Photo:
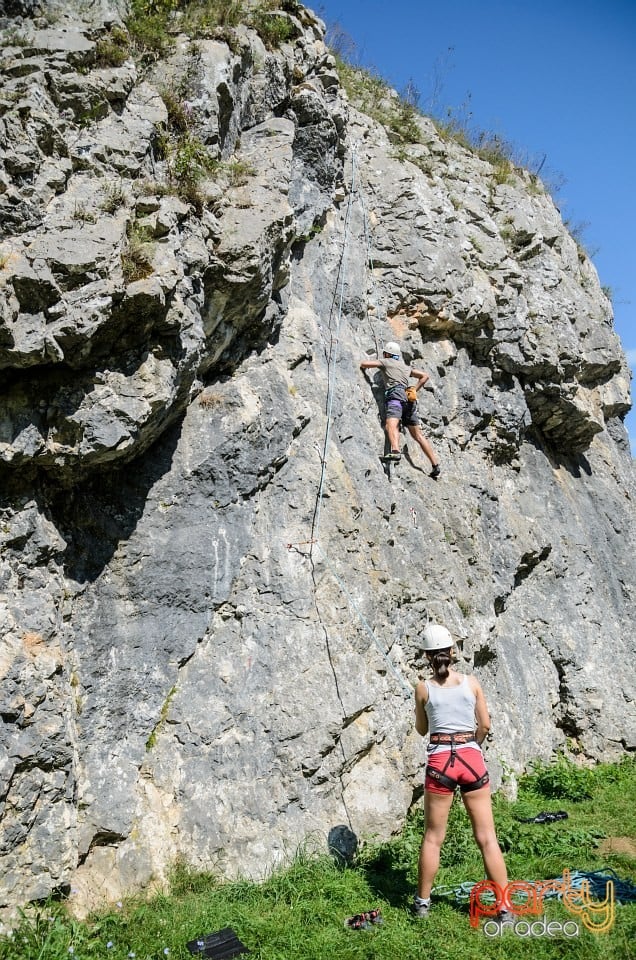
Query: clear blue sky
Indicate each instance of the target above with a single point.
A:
(555, 77)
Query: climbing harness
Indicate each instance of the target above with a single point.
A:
(452, 738)
(455, 740)
(396, 392)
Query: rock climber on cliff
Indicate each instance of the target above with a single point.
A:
(401, 402)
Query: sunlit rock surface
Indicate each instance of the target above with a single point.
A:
(184, 672)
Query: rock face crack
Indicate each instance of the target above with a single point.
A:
(103, 839)
(528, 562)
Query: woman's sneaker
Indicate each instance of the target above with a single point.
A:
(505, 916)
(420, 908)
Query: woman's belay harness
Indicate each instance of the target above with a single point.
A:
(442, 777)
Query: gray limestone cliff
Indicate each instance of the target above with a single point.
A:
(212, 587)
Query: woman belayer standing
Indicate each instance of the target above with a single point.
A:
(452, 709)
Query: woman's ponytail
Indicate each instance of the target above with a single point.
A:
(441, 661)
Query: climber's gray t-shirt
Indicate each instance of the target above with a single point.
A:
(396, 373)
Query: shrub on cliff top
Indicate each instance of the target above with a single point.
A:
(113, 49)
(373, 96)
(152, 24)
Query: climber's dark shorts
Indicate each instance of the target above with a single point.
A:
(404, 411)
(462, 774)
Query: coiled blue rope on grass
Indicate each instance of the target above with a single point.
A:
(624, 889)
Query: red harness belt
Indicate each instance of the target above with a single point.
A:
(442, 777)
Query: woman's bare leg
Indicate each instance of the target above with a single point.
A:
(436, 810)
(478, 804)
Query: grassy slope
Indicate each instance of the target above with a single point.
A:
(297, 914)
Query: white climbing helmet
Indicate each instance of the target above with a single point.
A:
(436, 637)
(393, 348)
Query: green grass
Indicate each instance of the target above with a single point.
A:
(113, 49)
(372, 95)
(136, 258)
(298, 912)
(154, 24)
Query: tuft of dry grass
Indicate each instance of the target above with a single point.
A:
(210, 400)
(136, 259)
(114, 196)
(113, 49)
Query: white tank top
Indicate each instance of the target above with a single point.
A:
(450, 710)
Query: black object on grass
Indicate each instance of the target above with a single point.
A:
(219, 945)
(544, 817)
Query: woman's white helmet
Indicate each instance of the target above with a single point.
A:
(392, 348)
(436, 637)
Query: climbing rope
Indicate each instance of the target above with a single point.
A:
(624, 890)
(334, 345)
(370, 264)
(398, 676)
(332, 361)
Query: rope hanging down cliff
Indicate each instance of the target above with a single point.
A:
(332, 359)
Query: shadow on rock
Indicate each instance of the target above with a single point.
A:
(99, 513)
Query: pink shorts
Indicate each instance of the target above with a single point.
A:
(468, 767)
